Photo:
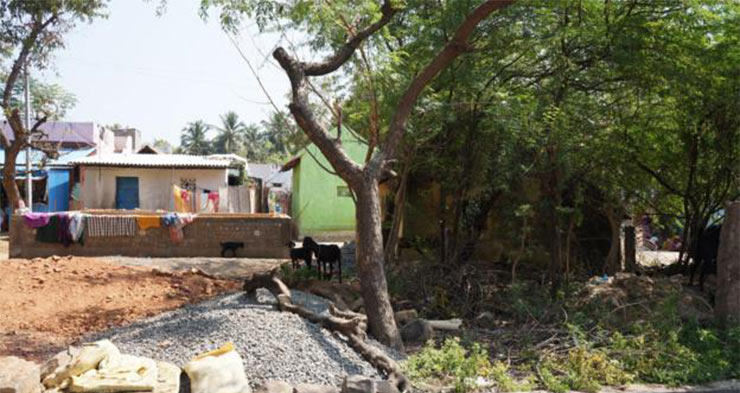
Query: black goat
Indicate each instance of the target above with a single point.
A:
(326, 254)
(706, 254)
(298, 254)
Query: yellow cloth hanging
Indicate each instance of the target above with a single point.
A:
(182, 198)
(146, 222)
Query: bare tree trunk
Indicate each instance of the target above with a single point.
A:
(9, 183)
(550, 183)
(728, 268)
(521, 251)
(399, 203)
(630, 249)
(370, 267)
(613, 259)
(364, 179)
(568, 240)
(555, 270)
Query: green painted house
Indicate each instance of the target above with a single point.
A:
(321, 204)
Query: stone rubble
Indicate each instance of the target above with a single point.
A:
(19, 376)
(274, 345)
(281, 353)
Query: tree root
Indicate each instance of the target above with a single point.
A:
(348, 323)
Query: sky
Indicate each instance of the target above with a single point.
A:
(157, 73)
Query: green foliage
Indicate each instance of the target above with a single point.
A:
(18, 18)
(48, 100)
(449, 363)
(527, 301)
(271, 141)
(679, 354)
(453, 364)
(661, 348)
(292, 277)
(585, 370)
(163, 145)
(194, 139)
(231, 132)
(500, 374)
(551, 382)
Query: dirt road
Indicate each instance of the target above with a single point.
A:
(49, 303)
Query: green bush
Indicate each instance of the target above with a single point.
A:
(582, 369)
(452, 364)
(675, 355)
(292, 277)
(662, 348)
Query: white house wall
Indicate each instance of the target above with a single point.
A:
(98, 185)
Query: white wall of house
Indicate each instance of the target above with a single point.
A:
(98, 185)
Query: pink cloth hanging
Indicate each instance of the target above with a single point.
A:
(213, 197)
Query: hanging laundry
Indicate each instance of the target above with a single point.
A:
(203, 202)
(169, 219)
(176, 222)
(63, 234)
(77, 227)
(49, 233)
(146, 222)
(182, 199)
(213, 200)
(36, 220)
(111, 226)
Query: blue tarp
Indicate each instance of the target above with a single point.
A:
(36, 174)
(65, 157)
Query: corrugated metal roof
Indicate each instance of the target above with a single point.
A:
(66, 157)
(153, 161)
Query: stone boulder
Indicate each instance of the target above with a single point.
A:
(485, 319)
(362, 384)
(275, 387)
(416, 331)
(19, 376)
(59, 362)
(314, 388)
(403, 317)
(168, 378)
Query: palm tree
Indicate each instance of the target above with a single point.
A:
(229, 137)
(193, 139)
(255, 143)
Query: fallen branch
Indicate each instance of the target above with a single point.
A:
(348, 323)
(447, 324)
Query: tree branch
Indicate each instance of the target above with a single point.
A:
(20, 61)
(655, 175)
(335, 61)
(304, 116)
(457, 46)
(15, 71)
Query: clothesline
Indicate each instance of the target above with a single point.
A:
(74, 227)
(184, 201)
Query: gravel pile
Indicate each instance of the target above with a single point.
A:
(274, 345)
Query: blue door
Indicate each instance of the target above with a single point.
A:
(127, 193)
(57, 187)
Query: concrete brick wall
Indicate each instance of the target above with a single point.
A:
(264, 236)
